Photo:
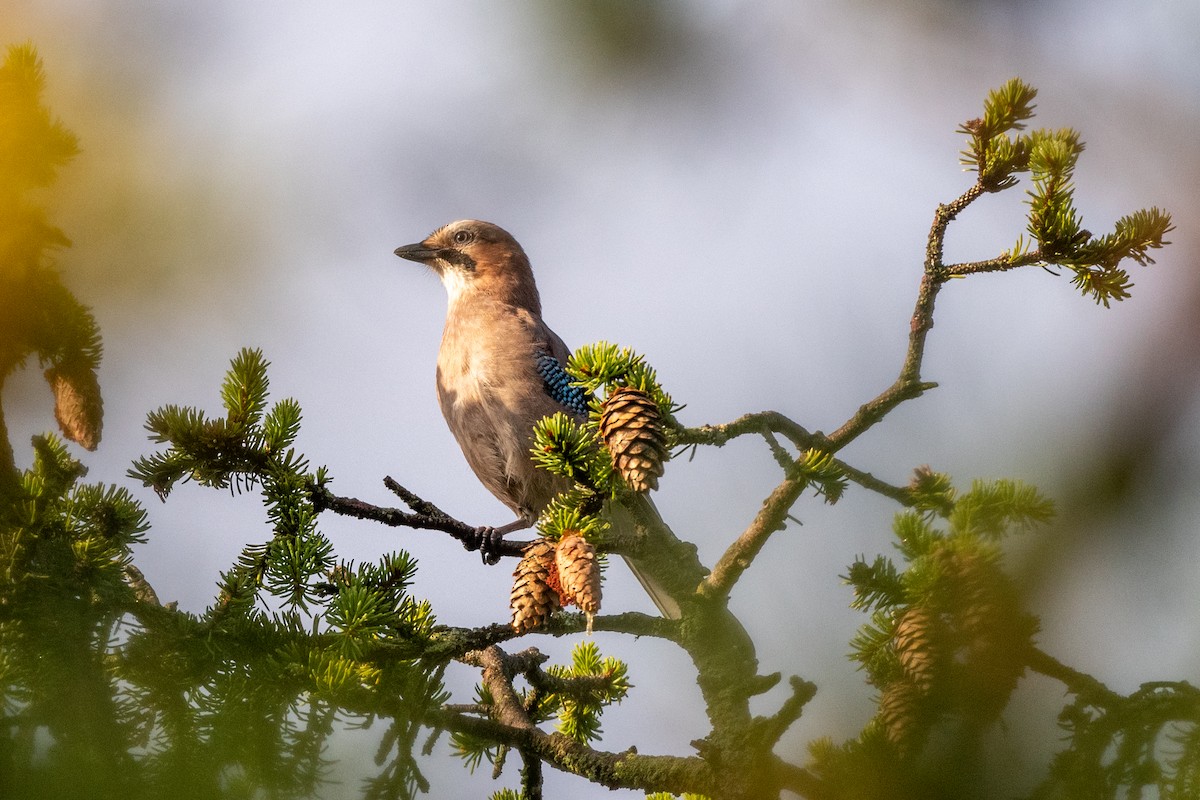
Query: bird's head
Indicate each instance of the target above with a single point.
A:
(477, 258)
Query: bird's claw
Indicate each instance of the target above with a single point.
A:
(487, 542)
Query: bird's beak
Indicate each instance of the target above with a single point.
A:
(416, 252)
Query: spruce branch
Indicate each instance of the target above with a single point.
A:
(991, 152)
(1001, 263)
(424, 516)
(449, 643)
(509, 723)
(623, 770)
(738, 557)
(755, 423)
(142, 589)
(771, 729)
(631, 622)
(498, 669)
(365, 663)
(531, 776)
(1050, 156)
(908, 384)
(1078, 683)
(769, 423)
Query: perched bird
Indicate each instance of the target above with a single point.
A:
(500, 370)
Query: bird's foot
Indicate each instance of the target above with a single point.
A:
(487, 541)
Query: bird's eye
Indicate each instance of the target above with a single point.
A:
(462, 237)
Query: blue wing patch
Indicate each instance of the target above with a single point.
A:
(558, 385)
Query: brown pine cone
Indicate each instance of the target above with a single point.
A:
(632, 430)
(916, 643)
(578, 572)
(901, 712)
(997, 635)
(535, 588)
(77, 404)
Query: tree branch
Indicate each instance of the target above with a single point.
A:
(425, 516)
(448, 642)
(498, 670)
(1001, 263)
(738, 557)
(1078, 683)
(531, 776)
(765, 423)
(908, 384)
(631, 622)
(626, 770)
(772, 728)
(578, 686)
(755, 423)
(509, 724)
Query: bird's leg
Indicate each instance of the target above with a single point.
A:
(488, 539)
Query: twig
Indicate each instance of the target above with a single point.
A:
(767, 423)
(498, 670)
(998, 264)
(738, 557)
(579, 686)
(755, 423)
(142, 589)
(773, 727)
(425, 516)
(631, 622)
(447, 642)
(531, 776)
(509, 724)
(901, 494)
(908, 385)
(782, 457)
(417, 504)
(1079, 683)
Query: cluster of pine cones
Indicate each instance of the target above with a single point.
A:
(552, 575)
(556, 574)
(964, 654)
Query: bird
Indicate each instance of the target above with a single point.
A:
(500, 369)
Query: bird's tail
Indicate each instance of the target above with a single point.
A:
(622, 519)
(666, 604)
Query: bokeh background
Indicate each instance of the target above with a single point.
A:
(739, 190)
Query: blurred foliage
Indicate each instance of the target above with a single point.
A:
(106, 692)
(1056, 228)
(621, 35)
(39, 316)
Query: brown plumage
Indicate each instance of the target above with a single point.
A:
(488, 384)
(487, 381)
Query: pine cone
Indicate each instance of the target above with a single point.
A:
(916, 643)
(901, 712)
(632, 430)
(77, 404)
(578, 572)
(996, 634)
(535, 591)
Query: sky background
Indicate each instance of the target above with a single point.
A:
(741, 191)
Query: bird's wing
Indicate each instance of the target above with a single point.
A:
(551, 354)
